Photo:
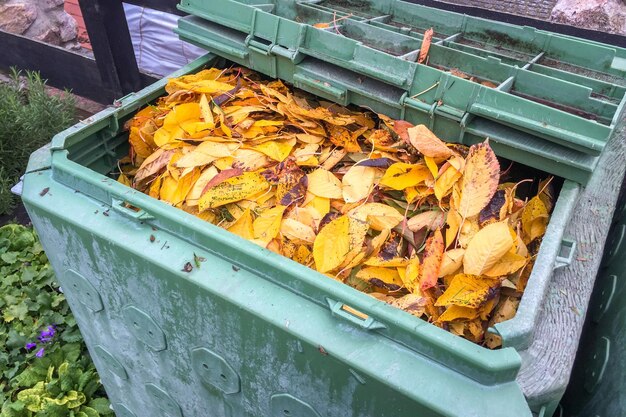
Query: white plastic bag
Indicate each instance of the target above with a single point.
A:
(157, 48)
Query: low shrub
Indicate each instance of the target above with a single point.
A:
(45, 369)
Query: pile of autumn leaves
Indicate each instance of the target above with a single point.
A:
(381, 205)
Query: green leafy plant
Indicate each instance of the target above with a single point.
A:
(45, 369)
(30, 117)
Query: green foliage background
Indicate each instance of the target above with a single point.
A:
(64, 381)
(29, 117)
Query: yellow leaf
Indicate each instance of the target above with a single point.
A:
(401, 175)
(305, 155)
(194, 158)
(377, 242)
(534, 219)
(312, 139)
(196, 127)
(379, 216)
(224, 163)
(469, 228)
(243, 226)
(357, 230)
(508, 264)
(468, 291)
(168, 188)
(143, 148)
(480, 180)
(248, 159)
(486, 248)
(455, 312)
(427, 143)
(153, 164)
(302, 255)
(181, 113)
(414, 304)
(358, 183)
(452, 260)
(123, 179)
(278, 150)
(203, 86)
(324, 183)
(388, 263)
(432, 166)
(453, 220)
(332, 244)
(223, 126)
(318, 207)
(233, 189)
(267, 225)
(155, 187)
(205, 110)
(196, 191)
(505, 310)
(386, 278)
(411, 277)
(432, 220)
(297, 232)
(445, 181)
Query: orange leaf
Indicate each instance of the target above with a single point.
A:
(427, 143)
(428, 36)
(432, 260)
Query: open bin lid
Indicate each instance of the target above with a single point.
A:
(544, 100)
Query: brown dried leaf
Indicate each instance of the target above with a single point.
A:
(428, 36)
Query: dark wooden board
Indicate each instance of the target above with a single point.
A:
(112, 47)
(62, 68)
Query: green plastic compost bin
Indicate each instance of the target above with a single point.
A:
(598, 384)
(250, 333)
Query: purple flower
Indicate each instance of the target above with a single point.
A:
(39, 353)
(31, 346)
(46, 335)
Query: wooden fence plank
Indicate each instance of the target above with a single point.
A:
(112, 46)
(62, 68)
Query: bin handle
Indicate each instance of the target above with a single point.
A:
(129, 210)
(320, 86)
(562, 260)
(337, 308)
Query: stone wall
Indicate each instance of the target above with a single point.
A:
(43, 20)
(538, 9)
(603, 15)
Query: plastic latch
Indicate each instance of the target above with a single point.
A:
(258, 46)
(354, 316)
(130, 210)
(566, 254)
